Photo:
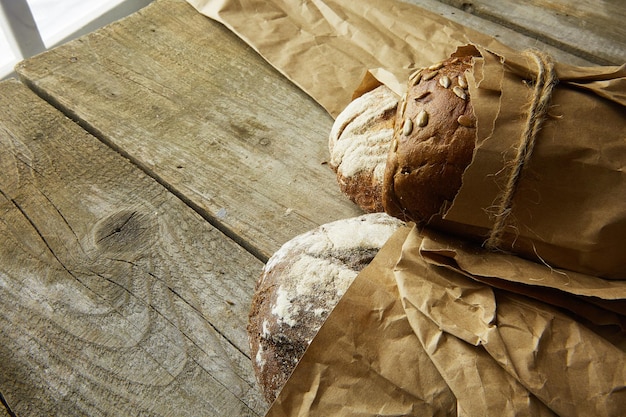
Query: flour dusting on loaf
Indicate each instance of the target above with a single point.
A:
(301, 284)
(358, 144)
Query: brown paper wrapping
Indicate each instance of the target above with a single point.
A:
(325, 47)
(437, 325)
(598, 301)
(569, 209)
(351, 370)
(497, 353)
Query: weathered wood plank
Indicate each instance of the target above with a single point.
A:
(4, 412)
(591, 29)
(115, 297)
(188, 102)
(508, 36)
(191, 104)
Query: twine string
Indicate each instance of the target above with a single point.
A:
(545, 82)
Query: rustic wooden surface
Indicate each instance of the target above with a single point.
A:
(465, 13)
(112, 288)
(591, 29)
(133, 231)
(184, 99)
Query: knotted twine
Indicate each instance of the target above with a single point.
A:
(545, 82)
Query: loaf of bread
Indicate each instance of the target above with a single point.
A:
(300, 285)
(359, 143)
(433, 142)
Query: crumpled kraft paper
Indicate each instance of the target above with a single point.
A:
(325, 46)
(568, 209)
(463, 332)
(598, 301)
(498, 353)
(367, 360)
(572, 369)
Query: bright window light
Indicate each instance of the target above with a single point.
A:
(57, 19)
(8, 55)
(6, 51)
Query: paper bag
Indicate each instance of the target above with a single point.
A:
(567, 206)
(567, 209)
(597, 301)
(326, 47)
(438, 326)
(367, 360)
(499, 353)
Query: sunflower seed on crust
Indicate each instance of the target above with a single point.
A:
(430, 75)
(407, 127)
(445, 81)
(466, 121)
(403, 105)
(462, 81)
(436, 66)
(422, 118)
(415, 77)
(459, 92)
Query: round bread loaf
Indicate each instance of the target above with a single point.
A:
(359, 143)
(433, 142)
(300, 285)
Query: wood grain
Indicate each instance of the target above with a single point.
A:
(115, 297)
(4, 411)
(591, 29)
(125, 281)
(519, 39)
(197, 109)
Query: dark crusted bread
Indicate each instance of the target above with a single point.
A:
(433, 142)
(359, 143)
(300, 285)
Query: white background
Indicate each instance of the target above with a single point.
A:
(56, 20)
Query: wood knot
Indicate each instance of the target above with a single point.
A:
(125, 232)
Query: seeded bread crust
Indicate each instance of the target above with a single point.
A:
(433, 142)
(300, 285)
(359, 143)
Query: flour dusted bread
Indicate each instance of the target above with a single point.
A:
(359, 143)
(300, 285)
(433, 142)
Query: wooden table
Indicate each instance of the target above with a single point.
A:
(147, 175)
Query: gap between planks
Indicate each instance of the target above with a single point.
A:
(205, 214)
